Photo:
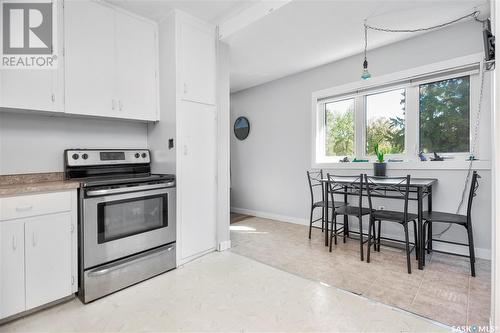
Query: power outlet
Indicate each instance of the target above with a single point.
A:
(381, 207)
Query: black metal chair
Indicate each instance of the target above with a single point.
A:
(463, 220)
(399, 188)
(315, 180)
(339, 185)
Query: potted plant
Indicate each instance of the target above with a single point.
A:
(379, 167)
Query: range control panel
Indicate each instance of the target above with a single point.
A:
(83, 157)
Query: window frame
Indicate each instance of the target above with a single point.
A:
(410, 80)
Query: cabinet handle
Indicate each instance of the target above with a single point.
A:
(120, 105)
(33, 239)
(14, 242)
(53, 98)
(24, 208)
(185, 88)
(113, 104)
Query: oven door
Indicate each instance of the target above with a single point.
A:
(119, 225)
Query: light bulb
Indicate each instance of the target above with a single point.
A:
(365, 75)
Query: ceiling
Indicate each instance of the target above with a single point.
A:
(209, 10)
(304, 34)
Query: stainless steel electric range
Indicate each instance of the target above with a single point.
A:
(126, 219)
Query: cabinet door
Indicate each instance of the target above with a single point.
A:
(89, 59)
(197, 187)
(197, 59)
(136, 50)
(28, 89)
(48, 258)
(11, 268)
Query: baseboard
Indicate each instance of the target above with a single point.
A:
(480, 252)
(225, 245)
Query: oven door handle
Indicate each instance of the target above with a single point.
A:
(114, 266)
(95, 193)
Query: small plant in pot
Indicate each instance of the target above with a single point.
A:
(379, 167)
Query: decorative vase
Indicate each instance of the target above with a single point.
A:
(379, 169)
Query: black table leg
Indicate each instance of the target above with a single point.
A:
(346, 219)
(420, 230)
(325, 214)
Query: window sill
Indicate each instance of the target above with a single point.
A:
(410, 165)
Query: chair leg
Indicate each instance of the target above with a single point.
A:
(471, 251)
(322, 220)
(416, 239)
(360, 218)
(311, 222)
(408, 261)
(374, 237)
(429, 236)
(424, 241)
(334, 227)
(346, 230)
(379, 233)
(331, 236)
(370, 228)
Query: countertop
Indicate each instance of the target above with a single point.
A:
(34, 182)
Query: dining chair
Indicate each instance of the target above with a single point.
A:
(394, 188)
(463, 220)
(339, 185)
(315, 179)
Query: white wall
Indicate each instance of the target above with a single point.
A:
(269, 168)
(34, 143)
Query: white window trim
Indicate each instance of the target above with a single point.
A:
(384, 82)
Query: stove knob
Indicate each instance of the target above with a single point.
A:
(75, 156)
(85, 156)
(137, 155)
(144, 155)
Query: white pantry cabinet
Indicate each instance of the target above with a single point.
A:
(110, 64)
(197, 61)
(38, 250)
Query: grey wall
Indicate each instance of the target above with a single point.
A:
(35, 143)
(268, 169)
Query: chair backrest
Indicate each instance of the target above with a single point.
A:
(342, 184)
(314, 178)
(474, 185)
(398, 188)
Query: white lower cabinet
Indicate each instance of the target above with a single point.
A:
(48, 258)
(37, 252)
(12, 299)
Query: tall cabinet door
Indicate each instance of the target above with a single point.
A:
(197, 61)
(89, 58)
(196, 190)
(48, 258)
(136, 50)
(11, 268)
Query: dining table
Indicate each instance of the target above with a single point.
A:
(419, 188)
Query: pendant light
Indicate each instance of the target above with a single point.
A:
(365, 75)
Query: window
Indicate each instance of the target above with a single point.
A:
(444, 108)
(339, 128)
(385, 121)
(427, 113)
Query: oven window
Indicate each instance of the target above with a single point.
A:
(123, 218)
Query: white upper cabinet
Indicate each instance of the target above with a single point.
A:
(89, 59)
(136, 63)
(34, 89)
(197, 61)
(111, 63)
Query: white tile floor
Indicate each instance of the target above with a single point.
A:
(225, 292)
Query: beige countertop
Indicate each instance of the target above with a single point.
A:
(34, 182)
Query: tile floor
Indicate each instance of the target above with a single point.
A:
(225, 292)
(443, 291)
